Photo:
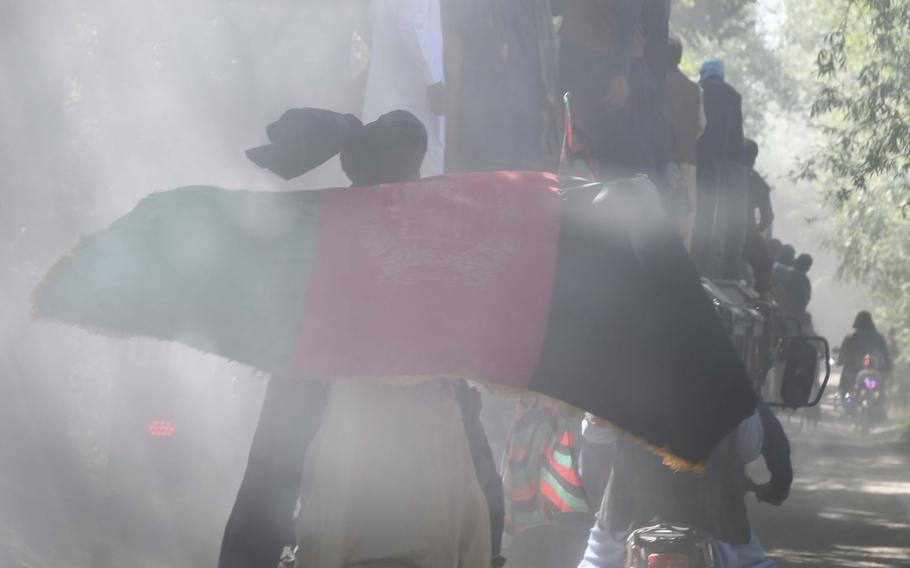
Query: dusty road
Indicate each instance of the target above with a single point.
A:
(849, 506)
(850, 502)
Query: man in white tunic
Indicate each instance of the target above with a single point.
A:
(389, 481)
(406, 69)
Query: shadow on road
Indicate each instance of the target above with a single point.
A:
(850, 504)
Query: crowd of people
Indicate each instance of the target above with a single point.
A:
(485, 77)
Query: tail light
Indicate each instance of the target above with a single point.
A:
(867, 361)
(162, 429)
(668, 561)
(669, 546)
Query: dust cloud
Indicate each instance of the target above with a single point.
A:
(129, 452)
(119, 451)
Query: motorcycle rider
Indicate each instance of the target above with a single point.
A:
(864, 339)
(642, 489)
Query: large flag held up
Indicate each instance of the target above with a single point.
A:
(583, 295)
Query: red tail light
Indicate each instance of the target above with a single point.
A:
(867, 361)
(162, 429)
(668, 561)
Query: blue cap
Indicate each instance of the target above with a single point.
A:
(712, 67)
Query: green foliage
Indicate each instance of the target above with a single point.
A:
(715, 19)
(862, 107)
(863, 104)
(729, 29)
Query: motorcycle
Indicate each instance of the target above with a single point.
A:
(867, 401)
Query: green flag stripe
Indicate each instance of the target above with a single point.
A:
(576, 503)
(212, 268)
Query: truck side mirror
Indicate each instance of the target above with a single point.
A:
(802, 356)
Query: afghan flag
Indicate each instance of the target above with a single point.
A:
(540, 467)
(584, 295)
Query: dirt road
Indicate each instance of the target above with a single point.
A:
(850, 502)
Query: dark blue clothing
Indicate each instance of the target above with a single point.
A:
(620, 141)
(595, 462)
(596, 46)
(642, 488)
(261, 523)
(506, 70)
(722, 140)
(722, 214)
(855, 347)
(775, 450)
(655, 20)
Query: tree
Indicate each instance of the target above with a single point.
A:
(731, 30)
(862, 107)
(863, 102)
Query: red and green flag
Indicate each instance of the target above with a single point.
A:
(540, 467)
(583, 295)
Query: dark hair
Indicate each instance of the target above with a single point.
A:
(787, 255)
(864, 321)
(389, 150)
(774, 246)
(674, 52)
(751, 151)
(803, 262)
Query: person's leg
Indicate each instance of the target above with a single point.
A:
(752, 555)
(380, 488)
(595, 463)
(604, 550)
(846, 382)
(261, 522)
(688, 178)
(756, 254)
(586, 74)
(469, 402)
(704, 230)
(736, 221)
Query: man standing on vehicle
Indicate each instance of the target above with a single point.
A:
(687, 114)
(761, 217)
(500, 77)
(597, 40)
(722, 209)
(406, 69)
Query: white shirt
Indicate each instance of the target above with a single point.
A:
(407, 58)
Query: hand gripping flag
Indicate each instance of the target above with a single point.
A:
(584, 295)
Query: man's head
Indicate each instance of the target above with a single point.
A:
(787, 255)
(389, 150)
(712, 68)
(864, 320)
(751, 152)
(774, 246)
(674, 52)
(803, 263)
